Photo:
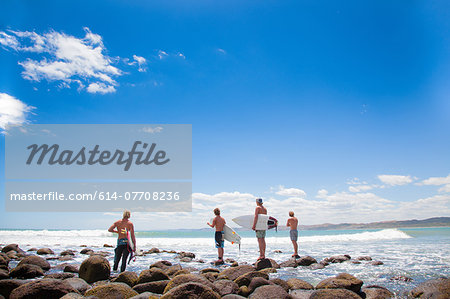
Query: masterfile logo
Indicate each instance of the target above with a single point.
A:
(99, 168)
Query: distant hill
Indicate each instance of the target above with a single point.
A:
(430, 222)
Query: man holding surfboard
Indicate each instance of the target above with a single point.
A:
(219, 223)
(260, 234)
(126, 240)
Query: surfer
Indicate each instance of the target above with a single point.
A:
(123, 248)
(219, 224)
(293, 224)
(260, 234)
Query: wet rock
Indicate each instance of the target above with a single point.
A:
(277, 251)
(243, 291)
(43, 288)
(146, 295)
(72, 268)
(229, 260)
(246, 278)
(9, 247)
(72, 296)
(173, 269)
(65, 258)
(112, 290)
(341, 281)
(334, 294)
(235, 272)
(434, 288)
(44, 251)
(281, 283)
(233, 296)
(218, 262)
(188, 278)
(162, 265)
(355, 262)
(67, 252)
(78, 284)
(181, 272)
(377, 292)
(153, 250)
(376, 263)
(100, 253)
(301, 294)
(296, 284)
(289, 263)
(191, 290)
(266, 263)
(128, 277)
(401, 278)
(108, 246)
(95, 268)
(211, 276)
(316, 266)
(306, 261)
(4, 274)
(364, 258)
(268, 270)
(269, 292)
(337, 258)
(86, 251)
(153, 274)
(60, 275)
(234, 264)
(32, 249)
(186, 259)
(183, 254)
(156, 287)
(209, 270)
(257, 282)
(26, 271)
(226, 287)
(7, 285)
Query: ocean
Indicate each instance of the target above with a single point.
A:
(417, 253)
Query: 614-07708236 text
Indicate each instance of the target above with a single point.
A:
(102, 196)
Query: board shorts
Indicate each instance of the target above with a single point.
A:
(123, 241)
(294, 235)
(260, 234)
(219, 237)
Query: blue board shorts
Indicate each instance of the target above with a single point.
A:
(260, 234)
(219, 238)
(123, 241)
(294, 235)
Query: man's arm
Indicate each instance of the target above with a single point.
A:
(255, 220)
(112, 228)
(287, 223)
(212, 224)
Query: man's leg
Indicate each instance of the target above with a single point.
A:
(220, 250)
(262, 247)
(295, 247)
(124, 258)
(117, 256)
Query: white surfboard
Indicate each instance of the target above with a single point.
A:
(264, 221)
(229, 234)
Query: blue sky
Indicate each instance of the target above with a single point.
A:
(288, 100)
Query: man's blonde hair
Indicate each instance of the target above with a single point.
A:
(126, 214)
(291, 213)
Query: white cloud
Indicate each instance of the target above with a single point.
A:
(395, 180)
(162, 54)
(152, 130)
(67, 59)
(438, 181)
(359, 188)
(13, 112)
(221, 51)
(142, 63)
(290, 192)
(322, 193)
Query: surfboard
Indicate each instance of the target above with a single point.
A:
(264, 221)
(131, 248)
(229, 234)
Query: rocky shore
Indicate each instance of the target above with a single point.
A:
(34, 277)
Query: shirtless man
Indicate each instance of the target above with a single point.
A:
(293, 224)
(122, 250)
(260, 234)
(218, 223)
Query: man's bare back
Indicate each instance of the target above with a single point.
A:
(121, 227)
(292, 223)
(219, 223)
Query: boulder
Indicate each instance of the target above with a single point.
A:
(172, 269)
(32, 249)
(86, 251)
(128, 277)
(364, 258)
(234, 272)
(153, 274)
(108, 246)
(246, 278)
(4, 274)
(156, 287)
(72, 268)
(60, 275)
(377, 292)
(296, 284)
(257, 282)
(35, 260)
(153, 250)
(26, 271)
(4, 260)
(162, 265)
(266, 263)
(78, 284)
(215, 270)
(183, 254)
(44, 251)
(401, 278)
(67, 252)
(282, 283)
(112, 290)
(180, 272)
(10, 247)
(341, 281)
(233, 296)
(334, 294)
(146, 295)
(289, 263)
(316, 266)
(65, 258)
(226, 287)
(95, 268)
(376, 263)
(43, 288)
(268, 270)
(269, 292)
(434, 288)
(211, 276)
(188, 278)
(191, 290)
(243, 291)
(306, 261)
(301, 294)
(337, 258)
(7, 285)
(186, 259)
(72, 296)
